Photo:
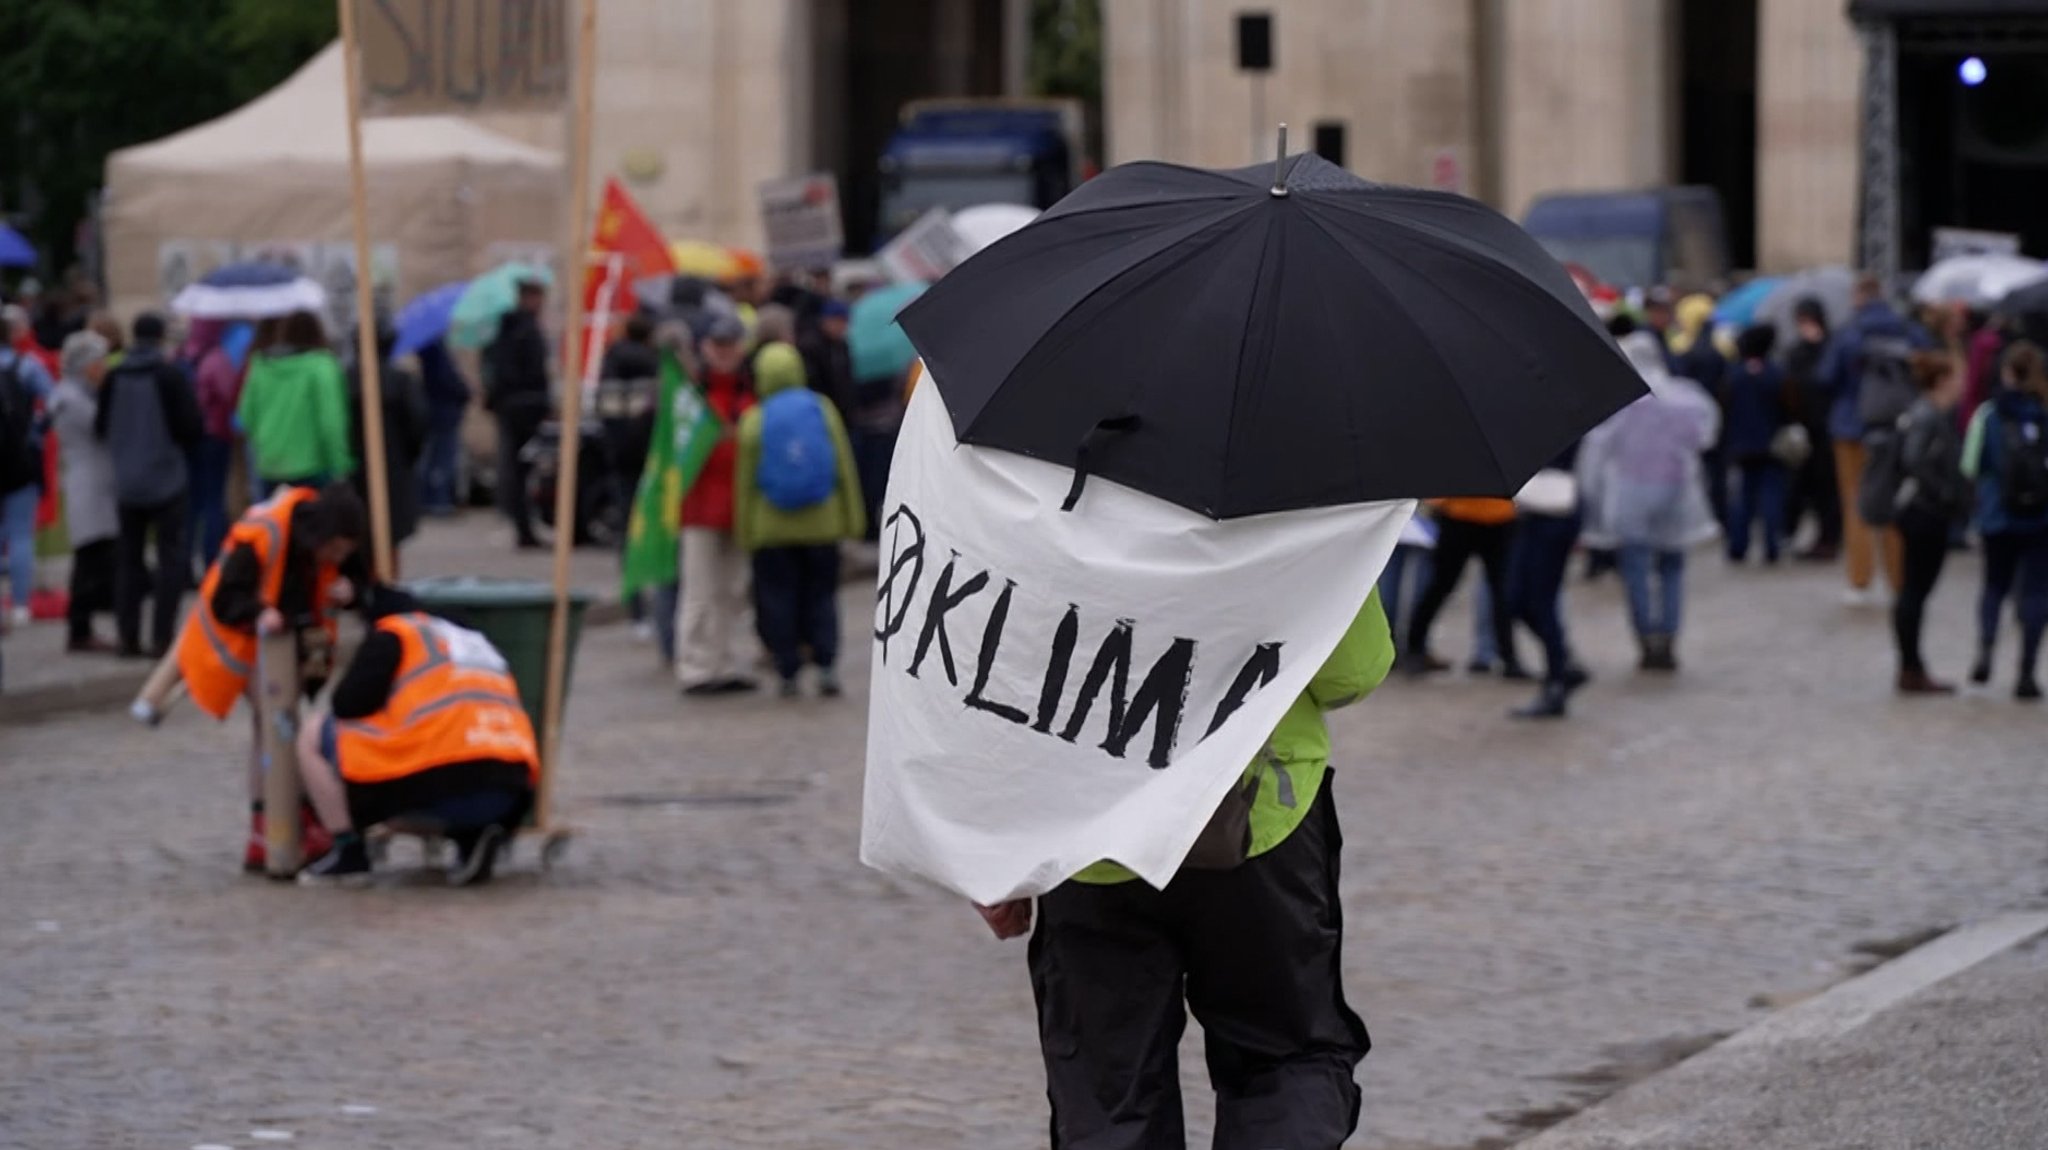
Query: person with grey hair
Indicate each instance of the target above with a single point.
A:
(91, 513)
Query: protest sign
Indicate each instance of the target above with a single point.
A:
(800, 217)
(927, 249)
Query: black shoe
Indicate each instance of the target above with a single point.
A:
(704, 690)
(1516, 673)
(1659, 653)
(1575, 677)
(1479, 667)
(737, 685)
(1980, 671)
(2029, 690)
(828, 683)
(529, 543)
(1549, 704)
(1420, 663)
(347, 864)
(476, 856)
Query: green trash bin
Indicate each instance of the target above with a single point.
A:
(514, 615)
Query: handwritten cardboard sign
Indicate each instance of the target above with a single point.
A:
(425, 57)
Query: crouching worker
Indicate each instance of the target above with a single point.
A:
(282, 566)
(427, 733)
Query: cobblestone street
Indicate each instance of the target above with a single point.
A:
(1535, 913)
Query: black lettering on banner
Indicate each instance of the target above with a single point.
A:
(944, 599)
(1161, 696)
(1260, 669)
(1063, 641)
(416, 56)
(901, 522)
(452, 61)
(985, 660)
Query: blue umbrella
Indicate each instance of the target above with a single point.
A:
(876, 341)
(425, 320)
(1739, 306)
(15, 250)
(249, 290)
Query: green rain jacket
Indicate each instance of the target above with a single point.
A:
(294, 409)
(1296, 757)
(758, 523)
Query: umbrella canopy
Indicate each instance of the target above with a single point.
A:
(484, 301)
(1835, 288)
(249, 290)
(1976, 280)
(703, 259)
(1239, 349)
(425, 320)
(982, 225)
(15, 250)
(875, 340)
(1738, 307)
(2028, 306)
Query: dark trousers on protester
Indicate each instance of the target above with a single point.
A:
(1815, 489)
(513, 433)
(1457, 543)
(1926, 551)
(2015, 561)
(1541, 553)
(796, 605)
(92, 586)
(1759, 500)
(131, 573)
(872, 451)
(1254, 952)
(211, 462)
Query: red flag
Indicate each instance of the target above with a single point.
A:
(622, 231)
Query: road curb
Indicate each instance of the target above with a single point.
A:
(118, 689)
(1631, 1119)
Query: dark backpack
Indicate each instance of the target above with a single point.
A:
(2023, 467)
(21, 444)
(799, 463)
(1884, 473)
(1886, 389)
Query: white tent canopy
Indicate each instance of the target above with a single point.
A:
(447, 198)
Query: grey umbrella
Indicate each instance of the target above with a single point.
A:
(1833, 287)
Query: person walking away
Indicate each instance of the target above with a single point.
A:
(1255, 951)
(217, 380)
(712, 651)
(1810, 374)
(1694, 356)
(796, 498)
(289, 562)
(1407, 571)
(1639, 480)
(149, 419)
(424, 726)
(404, 400)
(1754, 411)
(294, 410)
(91, 511)
(2006, 456)
(1873, 388)
(24, 390)
(1467, 529)
(517, 391)
(827, 358)
(1928, 497)
(448, 398)
(1546, 527)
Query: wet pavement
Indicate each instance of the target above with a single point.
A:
(1537, 914)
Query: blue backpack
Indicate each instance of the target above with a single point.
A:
(799, 465)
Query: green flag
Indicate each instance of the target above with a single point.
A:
(685, 431)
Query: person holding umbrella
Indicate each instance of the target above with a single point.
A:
(294, 409)
(1223, 372)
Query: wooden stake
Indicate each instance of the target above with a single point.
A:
(277, 669)
(575, 268)
(370, 370)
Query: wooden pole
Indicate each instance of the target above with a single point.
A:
(277, 668)
(572, 401)
(369, 369)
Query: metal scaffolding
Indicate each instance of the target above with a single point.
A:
(1877, 216)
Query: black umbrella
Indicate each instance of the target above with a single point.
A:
(1237, 347)
(2028, 308)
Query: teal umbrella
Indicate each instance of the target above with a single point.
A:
(880, 349)
(474, 322)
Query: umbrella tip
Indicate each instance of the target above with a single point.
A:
(1280, 164)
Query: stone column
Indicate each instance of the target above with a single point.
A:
(1808, 71)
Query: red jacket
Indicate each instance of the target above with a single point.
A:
(709, 503)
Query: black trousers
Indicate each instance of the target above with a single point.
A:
(1457, 543)
(1926, 550)
(513, 432)
(131, 573)
(1815, 491)
(1255, 954)
(92, 586)
(796, 605)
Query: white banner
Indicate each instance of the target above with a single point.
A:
(1053, 688)
(925, 250)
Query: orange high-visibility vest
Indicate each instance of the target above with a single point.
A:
(216, 660)
(453, 701)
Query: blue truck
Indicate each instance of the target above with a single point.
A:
(1636, 239)
(956, 154)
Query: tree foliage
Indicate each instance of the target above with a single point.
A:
(1066, 55)
(82, 78)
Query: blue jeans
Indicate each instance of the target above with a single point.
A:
(1485, 649)
(1653, 614)
(661, 604)
(1407, 570)
(210, 465)
(1761, 497)
(1536, 567)
(440, 464)
(18, 534)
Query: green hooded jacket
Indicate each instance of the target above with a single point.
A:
(294, 409)
(1292, 763)
(758, 523)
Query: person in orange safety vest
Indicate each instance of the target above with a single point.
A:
(427, 728)
(289, 561)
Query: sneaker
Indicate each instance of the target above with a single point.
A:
(1549, 704)
(347, 864)
(2028, 691)
(790, 690)
(1861, 597)
(1516, 673)
(256, 854)
(314, 839)
(1423, 663)
(1980, 671)
(643, 631)
(1660, 653)
(1921, 683)
(828, 683)
(476, 856)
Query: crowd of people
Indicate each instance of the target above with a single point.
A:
(1888, 441)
